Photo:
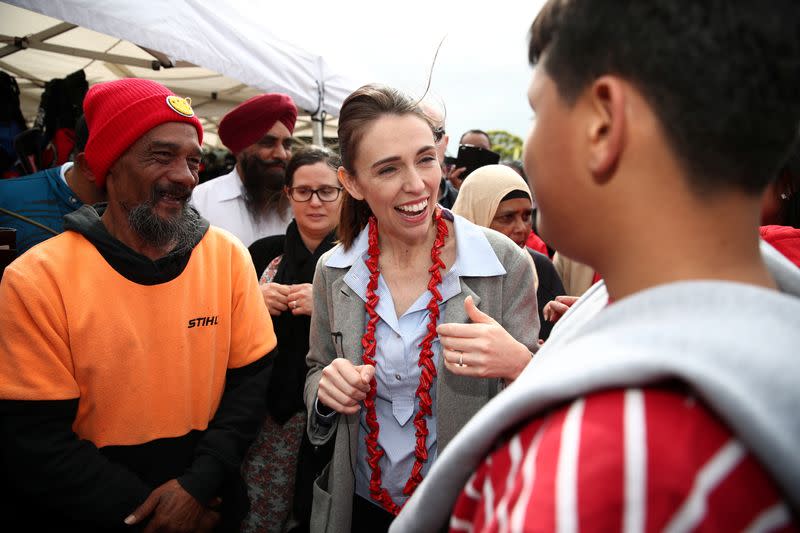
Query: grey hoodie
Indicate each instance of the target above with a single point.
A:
(737, 347)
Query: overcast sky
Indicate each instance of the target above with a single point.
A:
(481, 72)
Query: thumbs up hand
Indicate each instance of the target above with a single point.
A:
(481, 348)
(476, 315)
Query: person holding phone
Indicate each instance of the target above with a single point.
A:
(474, 151)
(381, 384)
(478, 138)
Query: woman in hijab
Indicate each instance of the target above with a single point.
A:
(496, 197)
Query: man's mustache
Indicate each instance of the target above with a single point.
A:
(273, 163)
(176, 190)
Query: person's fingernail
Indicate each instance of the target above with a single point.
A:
(130, 520)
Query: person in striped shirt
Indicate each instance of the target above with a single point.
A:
(666, 398)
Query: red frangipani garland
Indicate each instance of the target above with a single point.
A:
(427, 375)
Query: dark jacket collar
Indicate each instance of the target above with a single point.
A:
(128, 263)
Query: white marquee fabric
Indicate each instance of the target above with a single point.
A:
(235, 57)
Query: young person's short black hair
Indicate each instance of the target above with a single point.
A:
(722, 76)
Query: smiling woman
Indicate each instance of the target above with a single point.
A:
(384, 386)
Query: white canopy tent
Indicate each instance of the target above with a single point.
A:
(215, 55)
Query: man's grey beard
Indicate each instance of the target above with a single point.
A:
(156, 231)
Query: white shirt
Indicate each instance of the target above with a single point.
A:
(221, 202)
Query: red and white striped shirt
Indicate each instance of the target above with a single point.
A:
(622, 460)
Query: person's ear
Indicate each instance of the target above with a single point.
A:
(350, 183)
(606, 126)
(85, 170)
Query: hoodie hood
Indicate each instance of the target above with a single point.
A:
(785, 239)
(128, 263)
(734, 345)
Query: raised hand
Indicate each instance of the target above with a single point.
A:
(555, 309)
(482, 348)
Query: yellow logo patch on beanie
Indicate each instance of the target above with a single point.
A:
(182, 106)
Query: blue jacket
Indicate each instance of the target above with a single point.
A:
(43, 197)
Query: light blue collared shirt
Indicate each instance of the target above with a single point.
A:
(397, 354)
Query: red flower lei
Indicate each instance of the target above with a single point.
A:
(374, 453)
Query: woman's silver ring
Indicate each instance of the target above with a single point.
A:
(460, 358)
(294, 304)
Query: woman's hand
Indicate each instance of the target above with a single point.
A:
(482, 349)
(276, 297)
(300, 300)
(343, 385)
(555, 309)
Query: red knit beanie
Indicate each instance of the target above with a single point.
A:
(248, 122)
(119, 112)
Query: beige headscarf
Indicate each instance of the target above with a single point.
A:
(481, 193)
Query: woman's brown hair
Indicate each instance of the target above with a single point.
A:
(359, 110)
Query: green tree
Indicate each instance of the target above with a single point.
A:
(508, 145)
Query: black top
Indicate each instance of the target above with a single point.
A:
(128, 263)
(285, 393)
(550, 286)
(264, 250)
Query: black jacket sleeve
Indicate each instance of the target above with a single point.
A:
(50, 469)
(241, 411)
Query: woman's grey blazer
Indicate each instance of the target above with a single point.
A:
(337, 325)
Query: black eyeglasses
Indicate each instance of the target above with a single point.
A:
(438, 135)
(304, 194)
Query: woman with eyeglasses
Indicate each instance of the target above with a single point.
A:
(281, 464)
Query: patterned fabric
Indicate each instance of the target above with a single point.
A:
(269, 471)
(618, 461)
(270, 271)
(282, 464)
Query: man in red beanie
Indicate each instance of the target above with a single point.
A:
(249, 201)
(133, 354)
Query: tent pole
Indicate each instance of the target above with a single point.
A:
(318, 128)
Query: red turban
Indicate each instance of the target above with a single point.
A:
(248, 122)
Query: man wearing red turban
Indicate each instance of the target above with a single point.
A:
(249, 201)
